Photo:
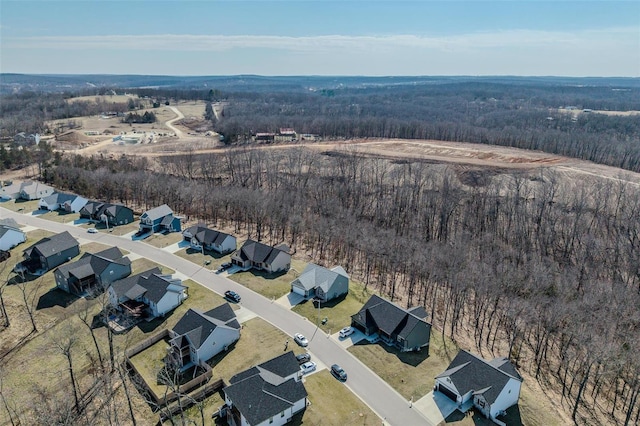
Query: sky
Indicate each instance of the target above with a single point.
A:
(330, 37)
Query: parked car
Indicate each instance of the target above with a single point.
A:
(302, 358)
(300, 340)
(308, 367)
(346, 332)
(92, 230)
(338, 372)
(232, 295)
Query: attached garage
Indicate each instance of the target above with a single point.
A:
(298, 290)
(449, 393)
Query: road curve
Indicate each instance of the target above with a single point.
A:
(169, 123)
(376, 393)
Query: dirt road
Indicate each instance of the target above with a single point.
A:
(169, 123)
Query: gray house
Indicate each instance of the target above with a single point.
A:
(321, 283)
(93, 272)
(407, 330)
(107, 213)
(160, 219)
(49, 252)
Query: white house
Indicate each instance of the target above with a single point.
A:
(200, 237)
(490, 386)
(199, 336)
(268, 394)
(11, 237)
(31, 190)
(149, 293)
(62, 201)
(11, 191)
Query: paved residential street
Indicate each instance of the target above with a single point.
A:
(385, 401)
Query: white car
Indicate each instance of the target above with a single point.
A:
(345, 332)
(308, 367)
(300, 340)
(92, 230)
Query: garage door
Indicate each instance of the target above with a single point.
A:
(447, 392)
(297, 290)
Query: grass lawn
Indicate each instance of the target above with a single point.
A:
(332, 403)
(410, 373)
(215, 259)
(149, 362)
(21, 205)
(143, 264)
(161, 241)
(269, 285)
(338, 312)
(60, 216)
(116, 230)
(94, 247)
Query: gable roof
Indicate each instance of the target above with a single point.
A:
(158, 212)
(93, 263)
(152, 284)
(318, 276)
(6, 228)
(54, 244)
(262, 391)
(206, 235)
(469, 372)
(32, 187)
(59, 198)
(198, 325)
(261, 253)
(388, 317)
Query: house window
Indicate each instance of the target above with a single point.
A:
(271, 420)
(282, 414)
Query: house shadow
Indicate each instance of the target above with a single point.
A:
(267, 275)
(512, 418)
(22, 278)
(329, 304)
(412, 358)
(55, 297)
(39, 212)
(212, 253)
(149, 326)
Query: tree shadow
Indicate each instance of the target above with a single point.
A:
(267, 275)
(149, 326)
(55, 297)
(22, 278)
(413, 358)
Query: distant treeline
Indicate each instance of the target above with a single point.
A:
(517, 114)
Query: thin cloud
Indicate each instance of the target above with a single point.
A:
(315, 44)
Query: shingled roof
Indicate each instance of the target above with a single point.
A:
(259, 252)
(54, 244)
(198, 325)
(388, 317)
(262, 391)
(318, 276)
(207, 236)
(94, 263)
(469, 372)
(152, 284)
(158, 212)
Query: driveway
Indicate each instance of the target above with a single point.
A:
(435, 407)
(386, 402)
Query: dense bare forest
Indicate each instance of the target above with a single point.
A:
(528, 263)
